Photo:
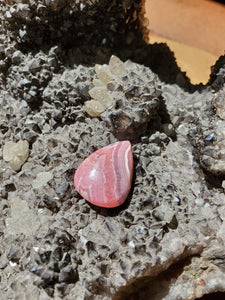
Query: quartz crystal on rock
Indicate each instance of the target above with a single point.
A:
(94, 108)
(101, 95)
(42, 179)
(104, 178)
(103, 72)
(100, 92)
(132, 100)
(16, 153)
(117, 67)
(97, 82)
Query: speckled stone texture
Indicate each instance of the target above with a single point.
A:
(166, 241)
(88, 26)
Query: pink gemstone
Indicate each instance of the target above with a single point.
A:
(104, 178)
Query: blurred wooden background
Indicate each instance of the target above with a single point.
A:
(193, 29)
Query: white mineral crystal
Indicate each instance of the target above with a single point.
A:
(101, 98)
(101, 94)
(131, 244)
(16, 153)
(103, 72)
(42, 179)
(23, 219)
(97, 82)
(117, 67)
(94, 108)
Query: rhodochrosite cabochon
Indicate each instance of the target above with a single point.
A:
(104, 178)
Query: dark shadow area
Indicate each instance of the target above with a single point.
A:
(133, 120)
(222, 2)
(213, 180)
(217, 77)
(146, 288)
(91, 33)
(199, 143)
(158, 57)
(156, 124)
(214, 296)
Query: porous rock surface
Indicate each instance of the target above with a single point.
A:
(88, 24)
(166, 241)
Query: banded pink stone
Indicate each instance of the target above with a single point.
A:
(104, 178)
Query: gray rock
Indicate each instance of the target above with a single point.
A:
(174, 216)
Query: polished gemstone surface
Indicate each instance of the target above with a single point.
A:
(104, 178)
